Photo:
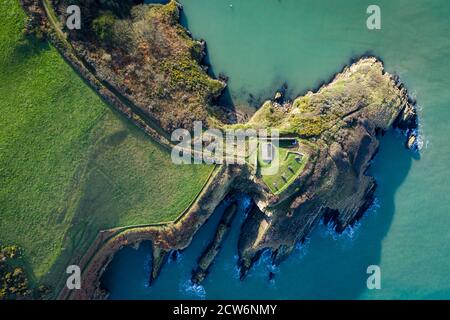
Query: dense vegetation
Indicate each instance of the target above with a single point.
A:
(314, 114)
(147, 56)
(13, 280)
(69, 165)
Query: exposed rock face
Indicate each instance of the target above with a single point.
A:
(143, 54)
(338, 127)
(173, 236)
(158, 69)
(208, 256)
(341, 122)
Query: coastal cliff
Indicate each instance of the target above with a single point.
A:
(209, 255)
(341, 123)
(332, 137)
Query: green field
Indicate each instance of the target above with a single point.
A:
(289, 168)
(69, 165)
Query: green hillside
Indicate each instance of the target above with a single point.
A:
(70, 165)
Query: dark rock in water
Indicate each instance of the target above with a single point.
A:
(223, 77)
(411, 142)
(278, 96)
(159, 258)
(174, 255)
(271, 276)
(198, 276)
(407, 119)
(208, 256)
(337, 129)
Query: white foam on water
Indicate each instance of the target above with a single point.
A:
(350, 233)
(178, 260)
(234, 267)
(302, 247)
(193, 290)
(246, 203)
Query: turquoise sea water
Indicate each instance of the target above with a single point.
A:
(260, 45)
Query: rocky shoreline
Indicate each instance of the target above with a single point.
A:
(344, 157)
(208, 256)
(335, 186)
(278, 223)
(174, 236)
(289, 218)
(337, 125)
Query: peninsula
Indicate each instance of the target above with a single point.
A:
(145, 65)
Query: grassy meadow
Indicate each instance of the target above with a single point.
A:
(289, 169)
(70, 165)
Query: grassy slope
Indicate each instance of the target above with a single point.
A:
(286, 158)
(69, 165)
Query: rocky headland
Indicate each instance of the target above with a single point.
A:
(156, 78)
(339, 126)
